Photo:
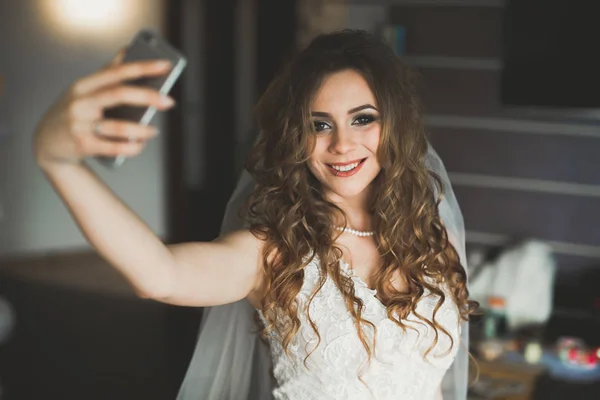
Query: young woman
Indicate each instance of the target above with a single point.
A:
(345, 257)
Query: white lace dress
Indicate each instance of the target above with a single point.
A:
(398, 369)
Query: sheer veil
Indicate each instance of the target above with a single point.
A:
(231, 362)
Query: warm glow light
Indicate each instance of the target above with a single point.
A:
(89, 15)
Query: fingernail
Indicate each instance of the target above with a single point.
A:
(167, 101)
(154, 131)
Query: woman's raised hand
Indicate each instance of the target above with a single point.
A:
(73, 128)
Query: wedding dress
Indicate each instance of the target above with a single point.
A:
(232, 362)
(338, 367)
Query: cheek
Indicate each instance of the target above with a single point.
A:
(373, 139)
(311, 166)
(315, 156)
(319, 149)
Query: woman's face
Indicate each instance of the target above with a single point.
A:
(347, 124)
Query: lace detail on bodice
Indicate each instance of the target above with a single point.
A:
(398, 369)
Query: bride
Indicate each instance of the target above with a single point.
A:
(353, 272)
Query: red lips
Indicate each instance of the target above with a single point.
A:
(345, 174)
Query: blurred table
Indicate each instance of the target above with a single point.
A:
(505, 380)
(83, 271)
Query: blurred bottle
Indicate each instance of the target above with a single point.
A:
(495, 322)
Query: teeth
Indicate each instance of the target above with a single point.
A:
(345, 168)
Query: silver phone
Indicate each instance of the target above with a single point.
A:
(146, 45)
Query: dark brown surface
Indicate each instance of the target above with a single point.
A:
(460, 91)
(517, 154)
(531, 214)
(451, 31)
(83, 271)
(476, 92)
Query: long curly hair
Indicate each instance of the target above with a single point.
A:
(288, 209)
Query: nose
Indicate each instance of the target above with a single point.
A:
(342, 141)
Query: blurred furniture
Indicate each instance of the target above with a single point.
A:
(81, 333)
(534, 382)
(504, 380)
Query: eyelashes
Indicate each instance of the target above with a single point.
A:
(359, 120)
(321, 126)
(364, 119)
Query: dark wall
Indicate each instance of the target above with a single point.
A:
(517, 173)
(196, 211)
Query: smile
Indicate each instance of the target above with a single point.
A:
(343, 170)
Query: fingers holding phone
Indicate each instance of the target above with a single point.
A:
(147, 45)
(107, 114)
(122, 72)
(75, 128)
(115, 130)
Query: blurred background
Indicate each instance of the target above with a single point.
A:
(511, 93)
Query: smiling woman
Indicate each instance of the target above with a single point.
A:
(346, 254)
(334, 152)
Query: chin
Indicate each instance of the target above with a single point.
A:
(348, 191)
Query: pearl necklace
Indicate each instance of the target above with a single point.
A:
(354, 232)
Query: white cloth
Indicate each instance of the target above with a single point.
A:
(399, 368)
(232, 362)
(524, 276)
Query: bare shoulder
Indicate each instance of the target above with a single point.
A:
(251, 249)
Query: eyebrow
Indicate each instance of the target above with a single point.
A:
(350, 111)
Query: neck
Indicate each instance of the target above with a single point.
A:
(356, 211)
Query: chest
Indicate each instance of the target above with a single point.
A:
(363, 260)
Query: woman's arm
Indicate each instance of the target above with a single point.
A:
(201, 274)
(191, 274)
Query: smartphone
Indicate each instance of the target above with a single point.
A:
(146, 45)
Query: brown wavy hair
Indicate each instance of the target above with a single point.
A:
(288, 209)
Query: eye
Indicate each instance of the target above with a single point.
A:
(321, 126)
(364, 119)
